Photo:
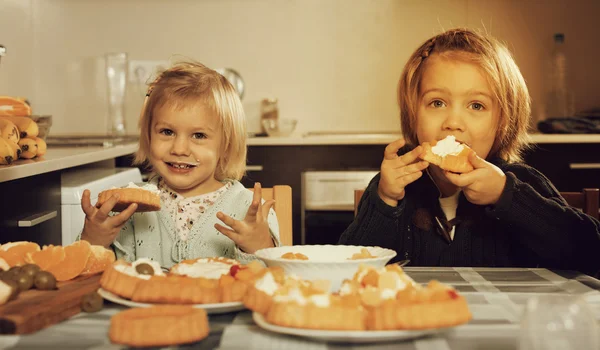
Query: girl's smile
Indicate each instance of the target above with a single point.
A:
(180, 167)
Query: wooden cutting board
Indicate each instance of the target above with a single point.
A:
(37, 309)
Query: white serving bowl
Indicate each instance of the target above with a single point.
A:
(329, 262)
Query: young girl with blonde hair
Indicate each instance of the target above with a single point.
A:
(502, 213)
(193, 136)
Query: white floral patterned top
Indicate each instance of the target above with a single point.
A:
(186, 211)
(158, 235)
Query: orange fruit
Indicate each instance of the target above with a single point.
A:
(76, 258)
(47, 257)
(100, 259)
(14, 252)
(16, 106)
(4, 265)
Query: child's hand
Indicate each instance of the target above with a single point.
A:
(100, 228)
(483, 185)
(399, 171)
(252, 233)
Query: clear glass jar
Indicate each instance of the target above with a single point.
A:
(116, 74)
(269, 110)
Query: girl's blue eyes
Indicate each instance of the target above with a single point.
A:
(475, 105)
(168, 132)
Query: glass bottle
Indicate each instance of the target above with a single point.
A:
(116, 74)
(560, 101)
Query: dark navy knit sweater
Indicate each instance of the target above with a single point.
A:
(530, 226)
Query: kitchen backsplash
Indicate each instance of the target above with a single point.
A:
(333, 64)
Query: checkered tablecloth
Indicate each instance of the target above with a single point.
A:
(496, 297)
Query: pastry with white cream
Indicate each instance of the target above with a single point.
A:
(122, 277)
(394, 301)
(448, 154)
(259, 295)
(305, 306)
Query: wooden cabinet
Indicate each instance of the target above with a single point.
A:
(570, 166)
(33, 199)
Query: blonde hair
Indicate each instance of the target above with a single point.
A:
(503, 75)
(189, 83)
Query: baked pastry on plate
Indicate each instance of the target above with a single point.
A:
(235, 285)
(259, 295)
(147, 197)
(304, 306)
(158, 326)
(448, 154)
(122, 277)
(231, 278)
(174, 289)
(394, 301)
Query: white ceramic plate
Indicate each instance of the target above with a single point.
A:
(355, 337)
(220, 308)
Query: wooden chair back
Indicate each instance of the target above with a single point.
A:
(282, 194)
(587, 200)
(357, 196)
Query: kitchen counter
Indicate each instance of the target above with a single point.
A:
(58, 158)
(385, 138)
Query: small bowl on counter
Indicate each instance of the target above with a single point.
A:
(44, 123)
(279, 127)
(330, 262)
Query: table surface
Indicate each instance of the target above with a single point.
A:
(496, 297)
